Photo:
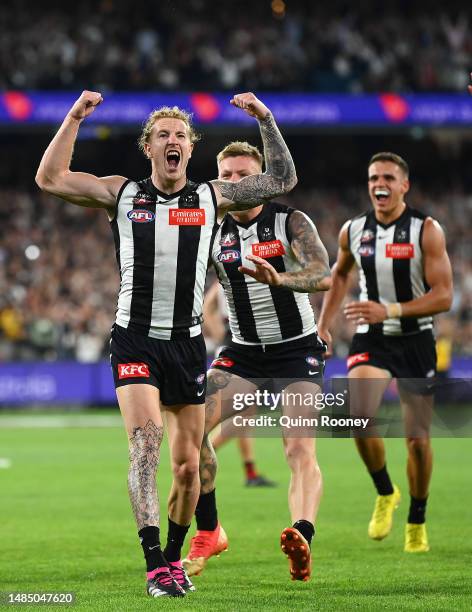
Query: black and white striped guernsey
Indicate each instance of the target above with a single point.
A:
(258, 313)
(390, 262)
(162, 246)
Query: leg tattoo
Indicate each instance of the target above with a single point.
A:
(208, 466)
(144, 447)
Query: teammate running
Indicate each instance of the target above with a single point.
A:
(268, 260)
(405, 279)
(162, 228)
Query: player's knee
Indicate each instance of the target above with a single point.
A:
(186, 472)
(418, 447)
(300, 453)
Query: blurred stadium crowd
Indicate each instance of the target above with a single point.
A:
(296, 45)
(59, 278)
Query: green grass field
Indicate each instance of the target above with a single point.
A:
(65, 525)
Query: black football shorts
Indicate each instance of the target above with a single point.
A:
(176, 367)
(411, 359)
(289, 361)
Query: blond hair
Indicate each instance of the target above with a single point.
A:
(236, 148)
(167, 112)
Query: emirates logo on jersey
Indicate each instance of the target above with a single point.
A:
(187, 216)
(139, 215)
(265, 250)
(400, 250)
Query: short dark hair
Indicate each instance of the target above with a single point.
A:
(390, 157)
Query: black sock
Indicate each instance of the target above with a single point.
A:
(205, 512)
(175, 540)
(149, 537)
(417, 510)
(382, 481)
(306, 528)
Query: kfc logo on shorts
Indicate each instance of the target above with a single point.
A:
(400, 251)
(139, 215)
(187, 216)
(313, 361)
(357, 358)
(229, 256)
(200, 379)
(273, 248)
(223, 362)
(133, 370)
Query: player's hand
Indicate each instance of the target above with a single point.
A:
(251, 105)
(85, 105)
(366, 312)
(264, 272)
(325, 335)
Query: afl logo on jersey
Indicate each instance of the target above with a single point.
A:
(229, 256)
(139, 215)
(366, 250)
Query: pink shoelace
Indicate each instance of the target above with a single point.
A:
(162, 576)
(178, 574)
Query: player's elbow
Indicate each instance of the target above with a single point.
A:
(51, 183)
(41, 180)
(325, 283)
(45, 182)
(446, 299)
(291, 182)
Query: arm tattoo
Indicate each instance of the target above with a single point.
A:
(280, 176)
(310, 253)
(144, 447)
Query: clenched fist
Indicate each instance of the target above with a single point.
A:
(85, 105)
(251, 105)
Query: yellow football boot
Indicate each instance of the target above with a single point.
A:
(416, 538)
(382, 518)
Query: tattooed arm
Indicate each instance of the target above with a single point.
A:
(280, 176)
(310, 253)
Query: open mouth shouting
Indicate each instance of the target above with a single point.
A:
(381, 194)
(173, 159)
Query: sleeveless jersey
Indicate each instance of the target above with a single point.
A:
(390, 262)
(259, 313)
(162, 246)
